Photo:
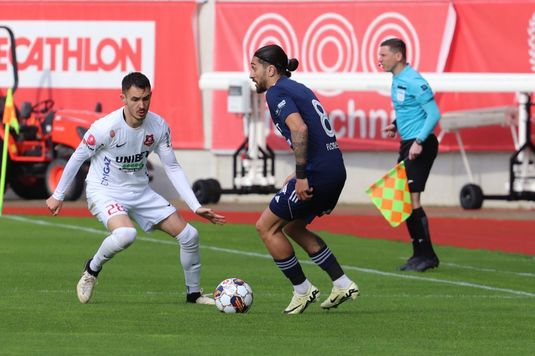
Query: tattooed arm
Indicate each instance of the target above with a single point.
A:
(299, 132)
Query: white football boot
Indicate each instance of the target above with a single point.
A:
(340, 295)
(85, 286)
(300, 302)
(199, 298)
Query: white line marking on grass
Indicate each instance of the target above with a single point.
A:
(266, 256)
(444, 281)
(442, 296)
(523, 274)
(65, 226)
(481, 269)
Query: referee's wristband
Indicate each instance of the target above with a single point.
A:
(300, 171)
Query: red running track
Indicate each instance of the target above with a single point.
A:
(514, 236)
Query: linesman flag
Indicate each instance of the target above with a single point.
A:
(10, 117)
(391, 195)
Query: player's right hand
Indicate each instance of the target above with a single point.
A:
(303, 191)
(390, 130)
(54, 205)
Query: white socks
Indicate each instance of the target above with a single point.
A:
(188, 240)
(190, 258)
(303, 287)
(120, 238)
(342, 282)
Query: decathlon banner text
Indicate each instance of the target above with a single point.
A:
(77, 53)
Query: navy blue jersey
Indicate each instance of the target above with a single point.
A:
(287, 97)
(326, 172)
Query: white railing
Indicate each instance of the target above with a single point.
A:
(440, 82)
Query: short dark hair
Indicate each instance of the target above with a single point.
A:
(396, 45)
(135, 79)
(275, 55)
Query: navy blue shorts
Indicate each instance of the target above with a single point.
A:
(287, 206)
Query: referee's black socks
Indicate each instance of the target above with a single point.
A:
(418, 227)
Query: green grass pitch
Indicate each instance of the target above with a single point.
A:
(477, 302)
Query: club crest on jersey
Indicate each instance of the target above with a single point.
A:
(112, 133)
(149, 140)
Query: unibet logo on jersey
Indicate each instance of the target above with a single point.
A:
(132, 163)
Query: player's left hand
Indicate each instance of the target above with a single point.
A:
(210, 215)
(415, 150)
(303, 191)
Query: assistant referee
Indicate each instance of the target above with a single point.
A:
(417, 114)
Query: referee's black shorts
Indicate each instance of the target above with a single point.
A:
(418, 169)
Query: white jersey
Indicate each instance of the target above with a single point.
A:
(118, 154)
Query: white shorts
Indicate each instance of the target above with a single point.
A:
(147, 207)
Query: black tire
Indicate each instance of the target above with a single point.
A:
(202, 190)
(215, 188)
(471, 197)
(53, 174)
(28, 187)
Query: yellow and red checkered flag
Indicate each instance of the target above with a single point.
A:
(10, 117)
(391, 195)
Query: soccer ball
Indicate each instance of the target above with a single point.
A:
(233, 295)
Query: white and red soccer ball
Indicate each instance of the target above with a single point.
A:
(233, 295)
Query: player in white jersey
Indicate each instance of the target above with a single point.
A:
(117, 186)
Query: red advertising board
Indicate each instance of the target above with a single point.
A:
(326, 38)
(76, 54)
(449, 36)
(490, 36)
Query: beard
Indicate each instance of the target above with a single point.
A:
(260, 87)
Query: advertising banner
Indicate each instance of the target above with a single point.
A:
(441, 36)
(494, 37)
(76, 54)
(327, 38)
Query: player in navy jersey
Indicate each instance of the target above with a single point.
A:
(312, 190)
(417, 114)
